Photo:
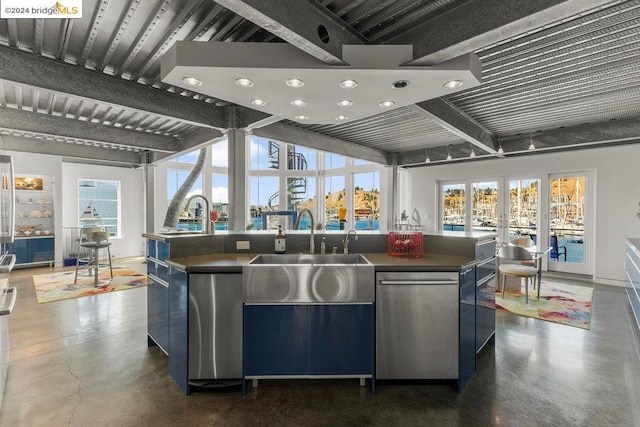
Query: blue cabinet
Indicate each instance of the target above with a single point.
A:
(304, 340)
(158, 314)
(158, 295)
(276, 340)
(467, 345)
(33, 250)
(485, 310)
(341, 339)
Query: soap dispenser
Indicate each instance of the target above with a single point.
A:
(280, 242)
(323, 246)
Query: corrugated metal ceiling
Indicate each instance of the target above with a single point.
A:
(580, 70)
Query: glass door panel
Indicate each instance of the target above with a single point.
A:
(567, 218)
(484, 201)
(453, 207)
(523, 208)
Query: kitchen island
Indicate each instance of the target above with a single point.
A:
(185, 274)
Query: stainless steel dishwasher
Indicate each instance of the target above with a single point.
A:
(215, 329)
(417, 325)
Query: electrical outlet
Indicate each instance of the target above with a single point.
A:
(242, 244)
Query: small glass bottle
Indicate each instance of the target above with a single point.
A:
(323, 245)
(280, 242)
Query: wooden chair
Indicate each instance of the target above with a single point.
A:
(511, 260)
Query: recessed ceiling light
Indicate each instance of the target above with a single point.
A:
(348, 84)
(301, 117)
(345, 103)
(244, 82)
(295, 83)
(298, 103)
(400, 84)
(341, 117)
(191, 81)
(387, 103)
(258, 102)
(453, 84)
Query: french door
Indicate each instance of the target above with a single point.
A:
(554, 210)
(570, 223)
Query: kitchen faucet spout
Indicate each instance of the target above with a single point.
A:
(206, 222)
(296, 226)
(345, 242)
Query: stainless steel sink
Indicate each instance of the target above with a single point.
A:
(306, 278)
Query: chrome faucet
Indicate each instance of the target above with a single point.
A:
(296, 226)
(345, 242)
(206, 221)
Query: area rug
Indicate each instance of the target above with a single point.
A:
(59, 286)
(559, 303)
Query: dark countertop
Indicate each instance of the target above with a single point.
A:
(233, 262)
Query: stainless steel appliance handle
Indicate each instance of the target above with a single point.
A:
(488, 260)
(418, 282)
(14, 295)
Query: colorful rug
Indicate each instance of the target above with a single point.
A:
(559, 303)
(59, 286)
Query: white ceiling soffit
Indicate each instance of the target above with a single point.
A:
(217, 65)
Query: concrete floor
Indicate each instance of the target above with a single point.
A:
(85, 362)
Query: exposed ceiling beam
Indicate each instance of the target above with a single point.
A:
(576, 138)
(36, 123)
(295, 135)
(455, 121)
(36, 71)
(616, 131)
(304, 24)
(84, 153)
(477, 24)
(199, 138)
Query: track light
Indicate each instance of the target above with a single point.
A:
(449, 153)
(531, 146)
(427, 159)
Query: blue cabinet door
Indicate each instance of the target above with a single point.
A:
(22, 249)
(179, 328)
(467, 346)
(42, 249)
(485, 311)
(276, 339)
(158, 314)
(341, 339)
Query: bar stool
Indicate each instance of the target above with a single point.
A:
(97, 240)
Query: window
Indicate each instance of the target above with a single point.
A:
(334, 199)
(334, 161)
(263, 197)
(366, 200)
(99, 204)
(453, 207)
(220, 154)
(190, 158)
(265, 154)
(175, 178)
(301, 194)
(485, 206)
(300, 158)
(220, 199)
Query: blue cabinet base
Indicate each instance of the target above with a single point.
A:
(308, 341)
